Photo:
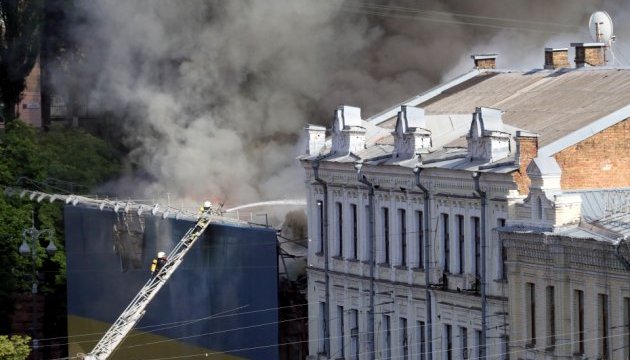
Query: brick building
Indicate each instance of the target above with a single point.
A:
(29, 109)
(404, 207)
(569, 287)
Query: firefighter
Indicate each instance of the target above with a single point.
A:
(158, 263)
(207, 205)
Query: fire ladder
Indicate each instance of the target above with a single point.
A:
(136, 309)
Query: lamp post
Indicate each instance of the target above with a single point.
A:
(31, 235)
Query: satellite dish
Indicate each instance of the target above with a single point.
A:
(601, 27)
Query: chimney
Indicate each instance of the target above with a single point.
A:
(556, 58)
(485, 61)
(348, 134)
(316, 139)
(526, 150)
(411, 135)
(591, 54)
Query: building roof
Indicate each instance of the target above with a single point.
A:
(559, 107)
(605, 212)
(551, 103)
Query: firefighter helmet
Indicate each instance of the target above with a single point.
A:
(161, 254)
(206, 205)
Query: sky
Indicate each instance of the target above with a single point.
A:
(212, 96)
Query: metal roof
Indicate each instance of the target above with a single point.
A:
(607, 209)
(601, 203)
(552, 103)
(563, 107)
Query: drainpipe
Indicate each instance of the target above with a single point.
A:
(427, 223)
(371, 256)
(482, 196)
(315, 165)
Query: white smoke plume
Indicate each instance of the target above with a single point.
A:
(215, 94)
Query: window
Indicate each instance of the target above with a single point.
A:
(402, 216)
(449, 341)
(340, 330)
(505, 347)
(477, 240)
(339, 250)
(626, 327)
(446, 242)
(368, 236)
(530, 306)
(539, 209)
(386, 235)
(503, 252)
(403, 339)
(578, 319)
(461, 253)
(387, 338)
(463, 335)
(355, 235)
(320, 222)
(478, 343)
(420, 237)
(602, 300)
(321, 344)
(354, 334)
(551, 317)
(420, 340)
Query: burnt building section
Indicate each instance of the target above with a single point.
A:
(128, 237)
(222, 300)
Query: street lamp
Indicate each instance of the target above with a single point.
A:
(32, 235)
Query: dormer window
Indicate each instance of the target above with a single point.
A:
(411, 135)
(487, 139)
(348, 133)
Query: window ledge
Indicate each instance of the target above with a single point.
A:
(385, 265)
(353, 260)
(337, 257)
(501, 281)
(401, 267)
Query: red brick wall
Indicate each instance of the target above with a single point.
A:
(528, 149)
(601, 161)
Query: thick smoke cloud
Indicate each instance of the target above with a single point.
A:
(214, 94)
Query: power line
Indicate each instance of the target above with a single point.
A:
(451, 18)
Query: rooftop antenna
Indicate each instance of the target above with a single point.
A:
(601, 27)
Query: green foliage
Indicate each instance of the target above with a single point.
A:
(20, 22)
(21, 154)
(15, 272)
(74, 155)
(31, 157)
(14, 347)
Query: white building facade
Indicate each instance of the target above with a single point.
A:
(405, 259)
(386, 275)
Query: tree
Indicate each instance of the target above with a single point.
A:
(20, 22)
(14, 347)
(66, 154)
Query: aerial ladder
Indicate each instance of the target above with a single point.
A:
(136, 309)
